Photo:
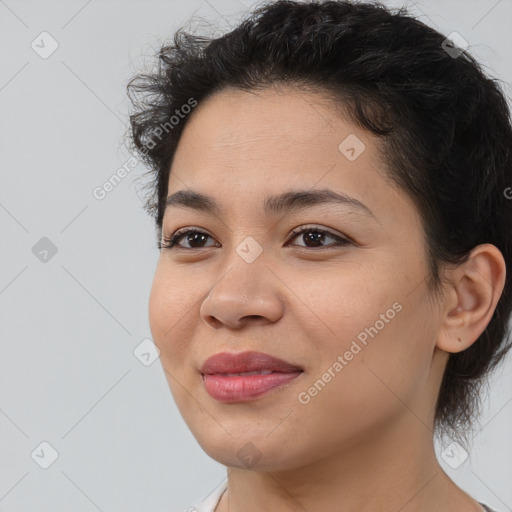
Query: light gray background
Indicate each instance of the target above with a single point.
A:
(68, 327)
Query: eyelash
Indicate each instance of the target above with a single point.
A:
(170, 243)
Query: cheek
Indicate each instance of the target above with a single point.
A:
(392, 364)
(358, 387)
(345, 301)
(171, 305)
(375, 334)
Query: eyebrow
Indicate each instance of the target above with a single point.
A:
(290, 201)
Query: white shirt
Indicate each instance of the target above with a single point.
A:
(211, 501)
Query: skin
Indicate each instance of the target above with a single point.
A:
(364, 442)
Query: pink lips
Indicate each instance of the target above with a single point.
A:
(221, 385)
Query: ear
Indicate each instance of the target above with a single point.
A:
(470, 298)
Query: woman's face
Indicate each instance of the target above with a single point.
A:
(355, 317)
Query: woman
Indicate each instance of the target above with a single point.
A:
(330, 195)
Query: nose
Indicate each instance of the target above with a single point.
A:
(245, 293)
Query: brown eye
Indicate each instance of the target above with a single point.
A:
(315, 237)
(312, 237)
(191, 236)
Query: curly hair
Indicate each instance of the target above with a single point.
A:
(444, 126)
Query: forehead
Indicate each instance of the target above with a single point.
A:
(245, 146)
(261, 132)
(273, 118)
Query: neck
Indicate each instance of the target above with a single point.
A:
(396, 470)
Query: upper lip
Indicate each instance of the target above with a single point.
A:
(229, 362)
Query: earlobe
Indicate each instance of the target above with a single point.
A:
(471, 297)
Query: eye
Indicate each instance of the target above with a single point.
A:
(193, 236)
(316, 237)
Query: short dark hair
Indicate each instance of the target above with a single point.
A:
(444, 125)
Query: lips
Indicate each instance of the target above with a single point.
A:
(226, 363)
(247, 376)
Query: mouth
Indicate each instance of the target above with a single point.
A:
(245, 376)
(246, 362)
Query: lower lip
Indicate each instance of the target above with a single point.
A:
(244, 388)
